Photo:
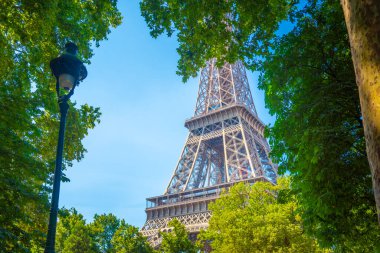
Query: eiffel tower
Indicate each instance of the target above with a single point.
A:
(225, 145)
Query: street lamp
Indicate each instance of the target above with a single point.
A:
(68, 71)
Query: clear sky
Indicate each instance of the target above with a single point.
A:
(133, 151)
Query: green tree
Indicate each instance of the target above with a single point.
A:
(31, 34)
(243, 30)
(105, 234)
(102, 230)
(73, 235)
(309, 82)
(203, 28)
(177, 240)
(127, 239)
(258, 218)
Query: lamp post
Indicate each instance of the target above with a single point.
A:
(68, 71)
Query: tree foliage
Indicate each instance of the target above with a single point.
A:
(103, 228)
(318, 137)
(226, 30)
(105, 234)
(258, 218)
(73, 235)
(177, 240)
(31, 34)
(309, 83)
(128, 239)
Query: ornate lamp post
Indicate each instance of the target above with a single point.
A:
(69, 71)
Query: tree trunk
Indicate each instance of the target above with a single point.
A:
(363, 25)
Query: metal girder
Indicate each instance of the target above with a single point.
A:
(223, 86)
(193, 222)
(225, 145)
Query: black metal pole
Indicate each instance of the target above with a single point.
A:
(50, 241)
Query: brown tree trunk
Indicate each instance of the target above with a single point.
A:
(363, 25)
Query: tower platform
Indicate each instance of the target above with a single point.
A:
(225, 146)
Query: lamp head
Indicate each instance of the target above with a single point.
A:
(67, 68)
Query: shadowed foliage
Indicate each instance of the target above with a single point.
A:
(318, 137)
(31, 34)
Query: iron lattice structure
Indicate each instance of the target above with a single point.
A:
(225, 145)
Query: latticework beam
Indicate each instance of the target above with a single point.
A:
(225, 145)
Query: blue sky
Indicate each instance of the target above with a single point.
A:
(133, 151)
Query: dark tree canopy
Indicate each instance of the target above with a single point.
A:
(31, 34)
(226, 30)
(318, 136)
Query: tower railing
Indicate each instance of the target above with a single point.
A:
(196, 194)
